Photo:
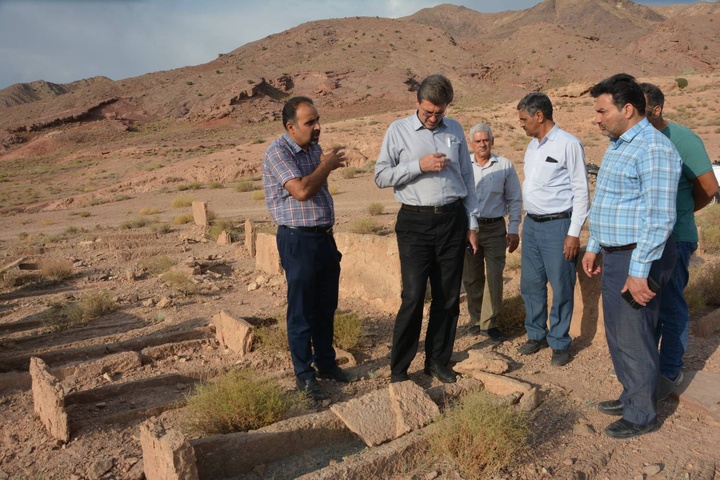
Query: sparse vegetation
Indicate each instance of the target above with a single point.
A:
(258, 195)
(376, 208)
(333, 189)
(348, 172)
(55, 269)
(223, 225)
(138, 222)
(180, 282)
(347, 328)
(512, 315)
(183, 218)
(190, 186)
(182, 201)
(480, 435)
(272, 336)
(149, 211)
(236, 402)
(703, 289)
(156, 265)
(365, 226)
(63, 315)
(245, 186)
(681, 82)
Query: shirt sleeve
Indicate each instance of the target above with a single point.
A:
(513, 197)
(282, 165)
(659, 173)
(389, 172)
(579, 184)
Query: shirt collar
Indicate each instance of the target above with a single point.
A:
(491, 160)
(550, 135)
(293, 144)
(417, 124)
(628, 136)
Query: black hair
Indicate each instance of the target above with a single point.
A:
(653, 95)
(289, 112)
(536, 101)
(624, 89)
(436, 89)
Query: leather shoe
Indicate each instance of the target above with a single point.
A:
(338, 374)
(442, 372)
(311, 387)
(399, 377)
(560, 357)
(611, 407)
(623, 429)
(493, 333)
(533, 346)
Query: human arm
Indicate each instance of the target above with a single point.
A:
(396, 165)
(577, 171)
(705, 187)
(303, 188)
(590, 265)
(513, 198)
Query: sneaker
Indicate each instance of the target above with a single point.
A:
(533, 346)
(665, 386)
(560, 357)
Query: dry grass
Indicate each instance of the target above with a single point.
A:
(64, 315)
(708, 220)
(149, 211)
(367, 226)
(348, 172)
(55, 269)
(272, 337)
(138, 222)
(376, 208)
(703, 289)
(156, 265)
(347, 328)
(183, 218)
(180, 282)
(334, 189)
(220, 225)
(182, 201)
(258, 195)
(245, 186)
(512, 315)
(236, 402)
(480, 435)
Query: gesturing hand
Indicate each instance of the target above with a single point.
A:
(434, 162)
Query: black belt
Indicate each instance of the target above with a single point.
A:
(427, 209)
(325, 230)
(629, 246)
(549, 216)
(486, 221)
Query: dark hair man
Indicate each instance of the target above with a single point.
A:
(631, 219)
(425, 159)
(295, 172)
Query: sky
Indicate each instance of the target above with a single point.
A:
(61, 41)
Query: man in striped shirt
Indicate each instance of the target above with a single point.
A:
(631, 219)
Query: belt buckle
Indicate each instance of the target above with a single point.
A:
(437, 209)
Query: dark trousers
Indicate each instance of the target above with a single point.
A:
(431, 246)
(312, 268)
(631, 333)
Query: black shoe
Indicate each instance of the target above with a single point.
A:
(665, 386)
(311, 387)
(475, 330)
(623, 429)
(560, 357)
(338, 374)
(533, 346)
(399, 377)
(442, 372)
(494, 333)
(611, 407)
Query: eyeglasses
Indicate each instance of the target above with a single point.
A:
(426, 114)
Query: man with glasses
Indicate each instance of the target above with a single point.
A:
(425, 159)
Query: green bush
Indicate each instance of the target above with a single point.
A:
(681, 82)
(347, 328)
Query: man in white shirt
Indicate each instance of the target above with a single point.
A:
(497, 189)
(556, 198)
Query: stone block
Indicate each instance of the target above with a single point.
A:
(250, 237)
(413, 407)
(370, 417)
(200, 216)
(485, 361)
(224, 238)
(233, 333)
(701, 391)
(167, 455)
(267, 258)
(509, 388)
(49, 400)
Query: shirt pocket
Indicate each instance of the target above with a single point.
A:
(548, 173)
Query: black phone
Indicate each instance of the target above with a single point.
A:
(627, 296)
(469, 248)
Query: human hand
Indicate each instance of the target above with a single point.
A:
(434, 162)
(588, 264)
(335, 158)
(639, 290)
(472, 241)
(571, 247)
(512, 240)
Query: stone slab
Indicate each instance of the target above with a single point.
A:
(200, 216)
(233, 333)
(370, 417)
(485, 361)
(167, 455)
(701, 391)
(413, 408)
(250, 237)
(49, 400)
(267, 258)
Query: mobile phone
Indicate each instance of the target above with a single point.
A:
(469, 248)
(627, 296)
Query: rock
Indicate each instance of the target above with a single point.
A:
(99, 468)
(252, 286)
(148, 303)
(583, 430)
(485, 361)
(164, 302)
(653, 469)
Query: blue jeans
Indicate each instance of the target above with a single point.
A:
(543, 261)
(674, 324)
(312, 267)
(631, 333)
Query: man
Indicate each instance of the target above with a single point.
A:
(425, 159)
(698, 185)
(295, 172)
(555, 193)
(497, 189)
(631, 219)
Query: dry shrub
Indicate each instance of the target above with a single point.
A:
(365, 226)
(258, 195)
(182, 201)
(183, 218)
(347, 328)
(348, 172)
(55, 269)
(138, 222)
(156, 265)
(513, 260)
(220, 225)
(272, 336)
(161, 228)
(480, 434)
(704, 286)
(512, 315)
(236, 402)
(149, 211)
(180, 282)
(245, 186)
(334, 189)
(708, 219)
(64, 315)
(376, 208)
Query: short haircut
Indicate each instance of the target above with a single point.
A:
(481, 127)
(653, 95)
(436, 89)
(289, 112)
(624, 89)
(536, 101)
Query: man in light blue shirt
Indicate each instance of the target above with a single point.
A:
(425, 159)
(631, 220)
(497, 189)
(556, 198)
